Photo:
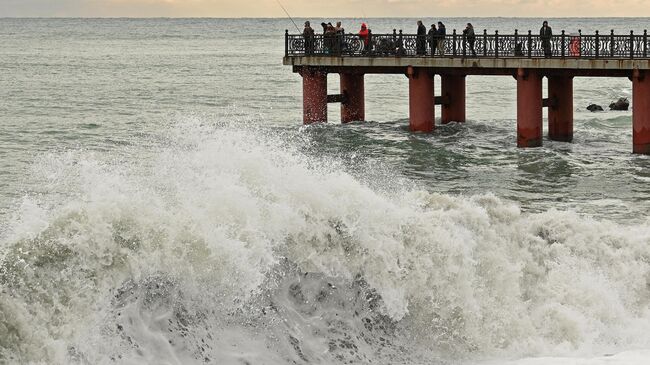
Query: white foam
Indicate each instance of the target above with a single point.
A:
(216, 212)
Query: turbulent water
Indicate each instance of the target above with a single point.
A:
(160, 203)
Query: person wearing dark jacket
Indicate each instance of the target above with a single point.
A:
(421, 41)
(442, 32)
(308, 35)
(545, 34)
(470, 37)
(329, 36)
(433, 39)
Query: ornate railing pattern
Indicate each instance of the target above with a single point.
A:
(526, 45)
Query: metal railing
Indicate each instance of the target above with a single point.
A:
(527, 45)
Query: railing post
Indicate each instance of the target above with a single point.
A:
(394, 44)
(563, 43)
(631, 44)
(580, 43)
(530, 44)
(496, 44)
(597, 44)
(516, 40)
(464, 38)
(453, 42)
(401, 50)
(611, 43)
(645, 43)
(369, 42)
(485, 42)
(286, 43)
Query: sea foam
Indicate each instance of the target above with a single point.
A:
(228, 244)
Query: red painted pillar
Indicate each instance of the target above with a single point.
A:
(560, 115)
(453, 89)
(421, 100)
(352, 85)
(640, 113)
(529, 108)
(314, 95)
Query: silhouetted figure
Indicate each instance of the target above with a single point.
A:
(470, 37)
(433, 39)
(442, 32)
(329, 38)
(545, 34)
(421, 40)
(308, 35)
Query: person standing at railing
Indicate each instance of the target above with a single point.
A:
(329, 36)
(545, 34)
(323, 44)
(421, 40)
(470, 37)
(363, 34)
(308, 35)
(433, 39)
(340, 37)
(442, 32)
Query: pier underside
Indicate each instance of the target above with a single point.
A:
(420, 72)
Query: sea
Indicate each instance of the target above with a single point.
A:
(162, 203)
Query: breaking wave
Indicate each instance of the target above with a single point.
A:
(229, 245)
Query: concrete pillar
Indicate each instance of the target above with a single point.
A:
(640, 113)
(314, 95)
(421, 100)
(353, 109)
(529, 108)
(560, 115)
(453, 88)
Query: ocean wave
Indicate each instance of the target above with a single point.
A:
(233, 244)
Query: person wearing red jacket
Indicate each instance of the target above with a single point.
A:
(364, 34)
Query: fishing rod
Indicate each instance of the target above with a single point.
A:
(365, 17)
(290, 18)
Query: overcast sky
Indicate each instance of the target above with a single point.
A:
(324, 8)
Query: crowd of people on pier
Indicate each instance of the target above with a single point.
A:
(429, 42)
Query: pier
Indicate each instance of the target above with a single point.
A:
(527, 57)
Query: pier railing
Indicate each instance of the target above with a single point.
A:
(495, 45)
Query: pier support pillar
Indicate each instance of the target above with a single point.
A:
(353, 108)
(560, 114)
(529, 108)
(314, 95)
(421, 100)
(641, 113)
(453, 88)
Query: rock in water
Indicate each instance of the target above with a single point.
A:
(595, 108)
(620, 104)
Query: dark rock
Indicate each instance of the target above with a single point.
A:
(620, 104)
(595, 108)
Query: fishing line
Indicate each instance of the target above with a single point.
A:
(290, 18)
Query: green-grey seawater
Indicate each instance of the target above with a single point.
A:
(160, 202)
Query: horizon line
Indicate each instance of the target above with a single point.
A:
(321, 17)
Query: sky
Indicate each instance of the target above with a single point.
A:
(323, 8)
